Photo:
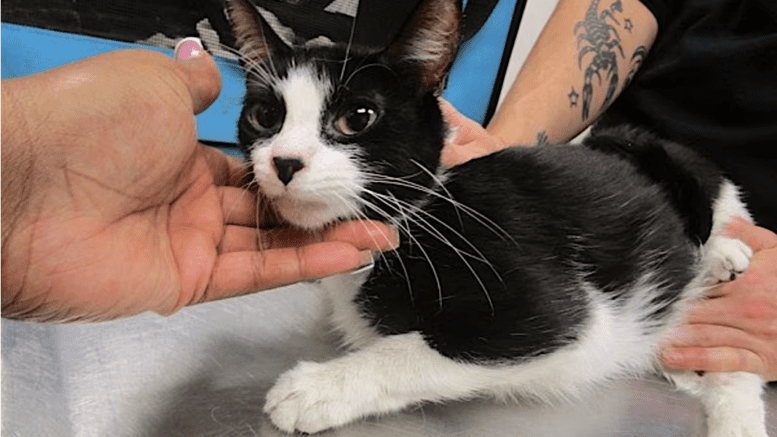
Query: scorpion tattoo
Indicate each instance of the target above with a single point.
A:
(596, 35)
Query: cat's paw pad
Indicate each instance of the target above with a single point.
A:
(726, 258)
(310, 398)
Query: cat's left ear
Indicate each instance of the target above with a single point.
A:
(429, 41)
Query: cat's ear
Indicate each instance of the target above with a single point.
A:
(254, 37)
(429, 41)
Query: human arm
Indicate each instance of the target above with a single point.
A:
(581, 61)
(111, 207)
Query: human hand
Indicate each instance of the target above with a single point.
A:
(469, 141)
(111, 207)
(736, 328)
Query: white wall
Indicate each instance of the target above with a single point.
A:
(535, 16)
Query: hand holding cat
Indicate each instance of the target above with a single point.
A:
(111, 207)
(736, 329)
(470, 140)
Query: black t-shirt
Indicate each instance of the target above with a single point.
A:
(710, 81)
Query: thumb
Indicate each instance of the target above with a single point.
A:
(199, 72)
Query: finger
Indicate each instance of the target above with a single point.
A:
(365, 235)
(753, 315)
(373, 236)
(756, 237)
(449, 112)
(239, 206)
(705, 335)
(240, 273)
(246, 238)
(713, 359)
(721, 311)
(226, 170)
(465, 129)
(240, 239)
(452, 156)
(199, 73)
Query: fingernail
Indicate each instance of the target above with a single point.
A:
(366, 258)
(367, 261)
(188, 48)
(394, 243)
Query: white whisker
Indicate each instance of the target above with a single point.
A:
(425, 225)
(348, 48)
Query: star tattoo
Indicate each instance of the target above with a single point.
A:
(573, 96)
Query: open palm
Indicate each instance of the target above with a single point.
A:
(122, 211)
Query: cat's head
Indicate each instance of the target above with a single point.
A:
(338, 132)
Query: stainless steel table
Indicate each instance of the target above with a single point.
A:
(205, 372)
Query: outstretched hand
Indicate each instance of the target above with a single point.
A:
(111, 207)
(735, 329)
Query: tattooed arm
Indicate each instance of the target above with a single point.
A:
(582, 60)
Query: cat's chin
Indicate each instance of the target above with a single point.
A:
(311, 216)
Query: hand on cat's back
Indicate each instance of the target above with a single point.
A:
(110, 206)
(736, 328)
(468, 139)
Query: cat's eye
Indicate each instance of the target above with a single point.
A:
(266, 115)
(356, 120)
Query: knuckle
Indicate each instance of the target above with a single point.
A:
(301, 266)
(259, 268)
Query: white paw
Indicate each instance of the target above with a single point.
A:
(738, 428)
(312, 397)
(726, 258)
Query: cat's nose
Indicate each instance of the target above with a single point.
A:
(287, 167)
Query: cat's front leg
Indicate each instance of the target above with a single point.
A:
(392, 373)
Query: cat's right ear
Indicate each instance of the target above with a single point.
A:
(254, 37)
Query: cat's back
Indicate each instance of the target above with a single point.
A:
(560, 188)
(514, 242)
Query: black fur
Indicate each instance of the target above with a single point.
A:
(571, 215)
(690, 181)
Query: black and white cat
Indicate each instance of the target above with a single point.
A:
(534, 272)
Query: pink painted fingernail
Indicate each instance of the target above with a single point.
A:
(188, 48)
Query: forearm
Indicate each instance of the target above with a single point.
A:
(585, 54)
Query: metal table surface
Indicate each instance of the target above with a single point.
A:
(205, 372)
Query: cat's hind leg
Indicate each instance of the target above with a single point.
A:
(725, 259)
(732, 401)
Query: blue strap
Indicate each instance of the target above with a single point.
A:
(28, 50)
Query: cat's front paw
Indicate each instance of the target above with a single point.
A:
(726, 258)
(312, 397)
(738, 428)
